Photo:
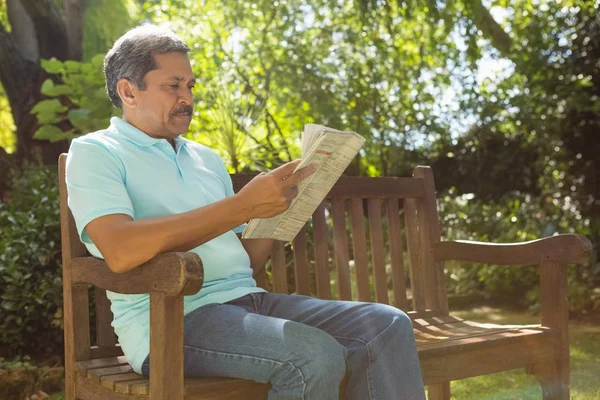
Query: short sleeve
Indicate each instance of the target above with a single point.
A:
(95, 185)
(228, 186)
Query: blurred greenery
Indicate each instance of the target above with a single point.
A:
(500, 97)
(7, 125)
(30, 278)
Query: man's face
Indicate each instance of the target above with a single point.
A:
(164, 109)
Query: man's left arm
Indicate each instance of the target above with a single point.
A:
(258, 250)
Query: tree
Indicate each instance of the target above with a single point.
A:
(38, 30)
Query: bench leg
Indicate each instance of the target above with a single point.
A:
(439, 391)
(553, 379)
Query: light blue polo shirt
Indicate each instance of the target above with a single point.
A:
(121, 170)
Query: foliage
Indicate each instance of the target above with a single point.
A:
(82, 87)
(507, 113)
(20, 377)
(7, 124)
(105, 21)
(514, 217)
(30, 274)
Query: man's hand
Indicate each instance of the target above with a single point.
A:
(270, 194)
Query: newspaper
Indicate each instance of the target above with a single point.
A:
(331, 151)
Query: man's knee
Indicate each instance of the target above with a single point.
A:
(316, 361)
(388, 317)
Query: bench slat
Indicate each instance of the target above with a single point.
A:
(127, 387)
(359, 250)
(340, 239)
(278, 268)
(301, 263)
(321, 249)
(377, 251)
(97, 374)
(414, 255)
(396, 254)
(110, 381)
(82, 367)
(478, 342)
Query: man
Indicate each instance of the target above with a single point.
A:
(138, 189)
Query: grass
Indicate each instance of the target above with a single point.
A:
(516, 384)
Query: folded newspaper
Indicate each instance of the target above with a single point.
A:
(330, 151)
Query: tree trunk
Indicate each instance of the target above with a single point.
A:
(73, 10)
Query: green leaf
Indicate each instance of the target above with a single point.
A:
(98, 61)
(48, 106)
(49, 89)
(52, 133)
(47, 132)
(52, 66)
(48, 111)
(72, 66)
(80, 118)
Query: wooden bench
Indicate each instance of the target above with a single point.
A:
(398, 219)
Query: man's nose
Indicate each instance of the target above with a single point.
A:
(186, 97)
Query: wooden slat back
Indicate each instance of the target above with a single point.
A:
(340, 240)
(279, 268)
(359, 250)
(301, 263)
(414, 255)
(371, 264)
(378, 251)
(396, 253)
(321, 250)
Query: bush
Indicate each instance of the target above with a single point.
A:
(515, 218)
(30, 264)
(19, 378)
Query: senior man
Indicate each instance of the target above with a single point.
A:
(138, 189)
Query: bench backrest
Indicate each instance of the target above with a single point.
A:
(370, 240)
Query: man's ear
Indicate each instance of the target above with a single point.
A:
(127, 92)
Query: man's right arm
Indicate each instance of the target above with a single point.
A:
(126, 244)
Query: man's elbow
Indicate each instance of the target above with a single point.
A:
(118, 261)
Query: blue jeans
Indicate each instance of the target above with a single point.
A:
(304, 346)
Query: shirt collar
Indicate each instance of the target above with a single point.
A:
(139, 137)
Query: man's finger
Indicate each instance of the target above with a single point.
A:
(300, 175)
(286, 169)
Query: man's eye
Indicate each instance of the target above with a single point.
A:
(174, 86)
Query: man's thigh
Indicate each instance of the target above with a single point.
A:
(232, 340)
(344, 320)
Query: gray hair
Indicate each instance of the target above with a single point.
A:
(132, 57)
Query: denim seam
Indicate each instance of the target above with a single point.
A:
(366, 344)
(257, 358)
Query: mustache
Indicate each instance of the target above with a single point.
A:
(187, 109)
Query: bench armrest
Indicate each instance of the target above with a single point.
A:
(171, 274)
(564, 249)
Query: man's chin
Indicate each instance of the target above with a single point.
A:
(180, 127)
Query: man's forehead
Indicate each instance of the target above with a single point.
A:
(175, 66)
